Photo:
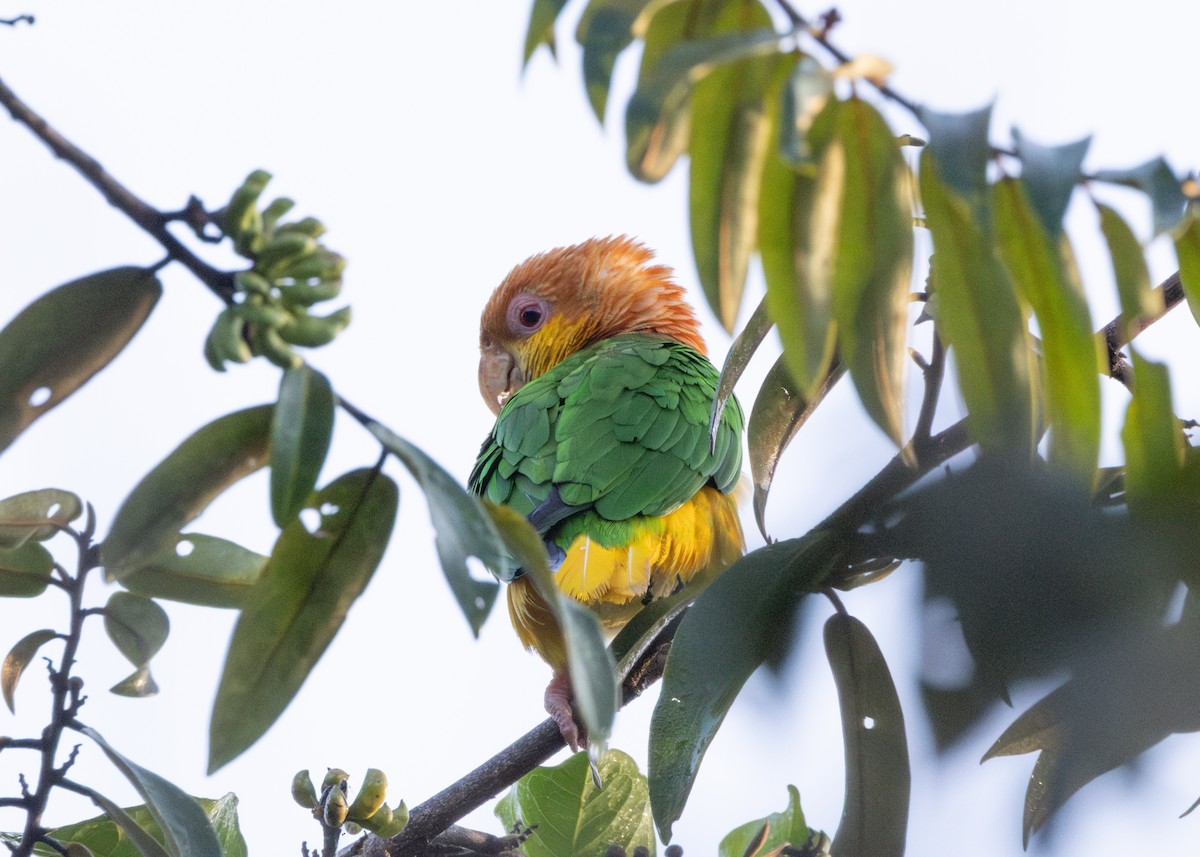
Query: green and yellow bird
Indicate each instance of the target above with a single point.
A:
(594, 364)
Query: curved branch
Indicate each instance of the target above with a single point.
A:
(152, 221)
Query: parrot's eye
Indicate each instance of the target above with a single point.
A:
(526, 314)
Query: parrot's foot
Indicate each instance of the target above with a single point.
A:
(558, 706)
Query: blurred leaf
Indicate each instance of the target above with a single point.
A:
(298, 605)
(606, 29)
(130, 837)
(570, 815)
(25, 571)
(953, 711)
(541, 27)
(462, 525)
(198, 569)
(785, 828)
(589, 662)
(778, 413)
(656, 114)
(958, 143)
(182, 485)
(1138, 300)
(743, 348)
(872, 262)
(1158, 181)
(37, 515)
(667, 137)
(1049, 175)
(18, 658)
(1154, 445)
(136, 625)
(980, 318)
(301, 427)
(748, 609)
(185, 825)
(731, 129)
(806, 92)
(137, 685)
(58, 342)
(875, 812)
(1187, 248)
(1072, 356)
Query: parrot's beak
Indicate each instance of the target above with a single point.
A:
(499, 376)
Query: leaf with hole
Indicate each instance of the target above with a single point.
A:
(186, 829)
(589, 662)
(878, 781)
(301, 428)
(463, 528)
(736, 624)
(182, 486)
(17, 659)
(293, 612)
(58, 342)
(198, 569)
(37, 515)
(570, 815)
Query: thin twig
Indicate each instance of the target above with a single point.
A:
(120, 197)
(1117, 333)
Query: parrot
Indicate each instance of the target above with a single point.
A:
(594, 365)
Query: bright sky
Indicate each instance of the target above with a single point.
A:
(409, 130)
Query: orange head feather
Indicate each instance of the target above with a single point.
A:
(555, 303)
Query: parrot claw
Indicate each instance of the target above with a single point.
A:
(558, 706)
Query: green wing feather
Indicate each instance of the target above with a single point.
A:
(619, 428)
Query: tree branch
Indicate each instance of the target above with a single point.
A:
(150, 219)
(1114, 333)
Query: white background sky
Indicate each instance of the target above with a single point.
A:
(408, 129)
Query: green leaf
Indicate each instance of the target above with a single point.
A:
(784, 828)
(958, 142)
(25, 571)
(182, 485)
(138, 685)
(131, 837)
(17, 659)
(136, 625)
(980, 318)
(541, 27)
(185, 825)
(1154, 445)
(875, 811)
(1138, 300)
(743, 348)
(657, 112)
(1072, 356)
(37, 515)
(1157, 180)
(58, 342)
(589, 662)
(731, 130)
(606, 28)
(198, 569)
(747, 609)
(872, 261)
(1187, 249)
(301, 428)
(298, 605)
(570, 815)
(779, 411)
(463, 527)
(1049, 175)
